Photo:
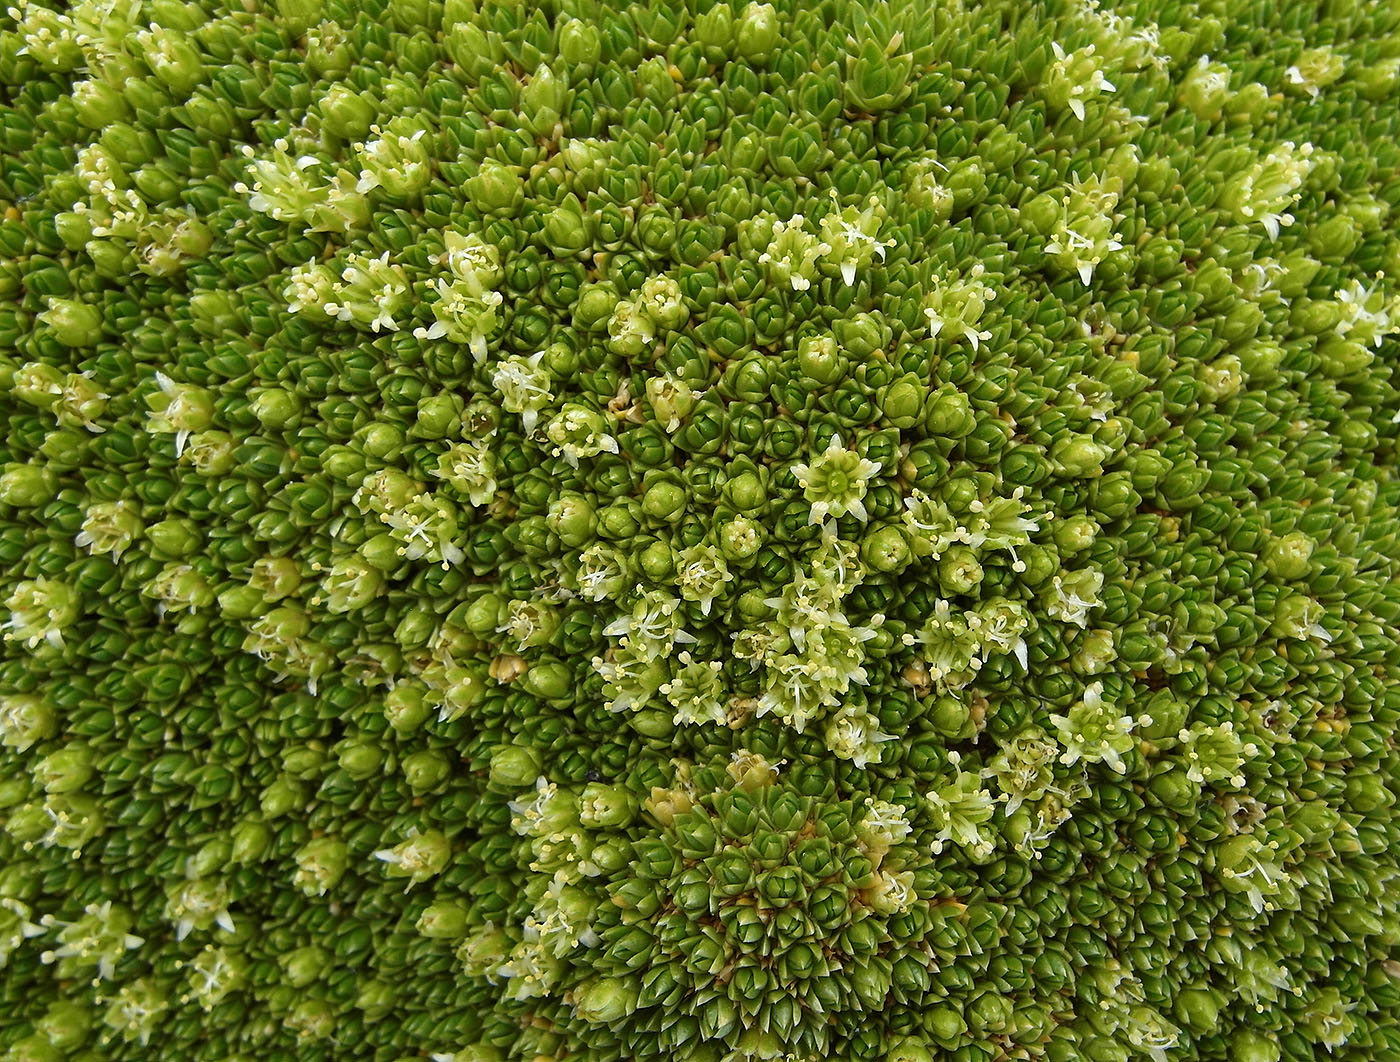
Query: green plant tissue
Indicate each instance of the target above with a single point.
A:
(691, 531)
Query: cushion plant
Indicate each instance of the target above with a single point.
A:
(861, 530)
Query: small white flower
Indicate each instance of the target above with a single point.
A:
(835, 482)
(524, 388)
(1367, 315)
(1077, 77)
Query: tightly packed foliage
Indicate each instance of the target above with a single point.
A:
(713, 532)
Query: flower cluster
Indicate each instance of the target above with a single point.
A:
(726, 532)
(751, 900)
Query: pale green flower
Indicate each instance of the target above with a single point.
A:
(1265, 191)
(1094, 732)
(696, 692)
(1215, 753)
(962, 812)
(702, 574)
(578, 432)
(524, 386)
(1075, 77)
(835, 482)
(38, 611)
(854, 734)
(851, 237)
(792, 254)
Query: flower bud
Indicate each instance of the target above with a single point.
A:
(34, 1048)
(1247, 1045)
(275, 407)
(73, 322)
(360, 758)
(757, 32)
(304, 965)
(658, 561)
(443, 920)
(425, 770)
(376, 998)
(665, 500)
(173, 539)
(580, 45)
(25, 486)
(1205, 89)
(740, 539)
(714, 27)
(861, 335)
(901, 403)
(948, 414)
(543, 101)
(1079, 457)
(877, 79)
(281, 797)
(909, 1049)
(605, 806)
(212, 856)
(1198, 1008)
(25, 720)
(605, 1000)
(251, 840)
(514, 766)
(406, 708)
(566, 228)
(1287, 556)
(495, 189)
(381, 552)
(27, 822)
(346, 113)
(595, 306)
(549, 680)
(65, 1024)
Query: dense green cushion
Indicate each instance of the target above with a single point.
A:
(589, 533)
